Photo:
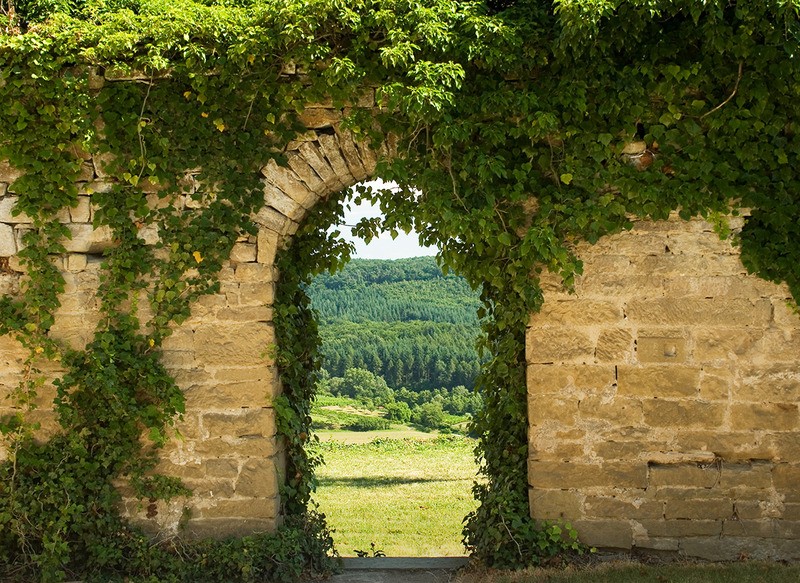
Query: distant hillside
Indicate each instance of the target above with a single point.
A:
(402, 319)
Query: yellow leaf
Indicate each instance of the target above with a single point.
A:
(251, 59)
(187, 94)
(38, 350)
(152, 343)
(197, 256)
(219, 124)
(204, 114)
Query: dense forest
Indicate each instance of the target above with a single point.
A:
(402, 319)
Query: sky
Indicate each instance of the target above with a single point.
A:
(383, 247)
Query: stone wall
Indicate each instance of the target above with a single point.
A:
(663, 400)
(227, 451)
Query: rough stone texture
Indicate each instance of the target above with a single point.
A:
(663, 400)
(227, 453)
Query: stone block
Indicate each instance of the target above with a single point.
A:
(712, 344)
(555, 504)
(785, 478)
(222, 467)
(253, 273)
(617, 411)
(681, 527)
(8, 243)
(700, 312)
(684, 475)
(87, 239)
(713, 509)
(283, 203)
(306, 173)
(243, 253)
(258, 294)
(234, 344)
(352, 157)
(730, 446)
(716, 384)
(9, 173)
(578, 312)
(321, 166)
(258, 478)
(267, 217)
(605, 534)
(672, 414)
(239, 424)
(554, 379)
(616, 507)
(76, 262)
(614, 345)
(320, 117)
(785, 446)
(658, 380)
(333, 153)
(561, 411)
(7, 204)
(756, 475)
(553, 345)
(563, 475)
(267, 246)
(617, 450)
(768, 416)
(784, 314)
(229, 396)
(222, 528)
(662, 349)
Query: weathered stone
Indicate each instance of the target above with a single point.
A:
(561, 411)
(258, 478)
(258, 422)
(283, 203)
(605, 534)
(547, 379)
(222, 528)
(698, 509)
(615, 507)
(681, 527)
(661, 349)
(319, 117)
(557, 475)
(221, 396)
(87, 239)
(333, 153)
(82, 211)
(546, 345)
(8, 243)
(555, 504)
(243, 253)
(7, 204)
(306, 173)
(317, 161)
(352, 157)
(662, 413)
(684, 475)
(658, 381)
(614, 345)
(774, 416)
(234, 343)
(701, 311)
(618, 410)
(8, 173)
(578, 313)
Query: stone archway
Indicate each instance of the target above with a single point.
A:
(228, 452)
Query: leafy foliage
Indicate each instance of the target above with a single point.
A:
(514, 122)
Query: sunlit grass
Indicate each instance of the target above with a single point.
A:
(409, 497)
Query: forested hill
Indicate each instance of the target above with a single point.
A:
(402, 319)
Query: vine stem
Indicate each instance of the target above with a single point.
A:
(731, 96)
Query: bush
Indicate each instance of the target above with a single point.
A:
(428, 415)
(368, 424)
(398, 411)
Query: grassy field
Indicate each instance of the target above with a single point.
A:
(622, 572)
(407, 496)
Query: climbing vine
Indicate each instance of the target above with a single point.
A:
(517, 130)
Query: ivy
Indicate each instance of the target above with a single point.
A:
(518, 129)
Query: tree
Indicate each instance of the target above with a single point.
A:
(398, 411)
(428, 415)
